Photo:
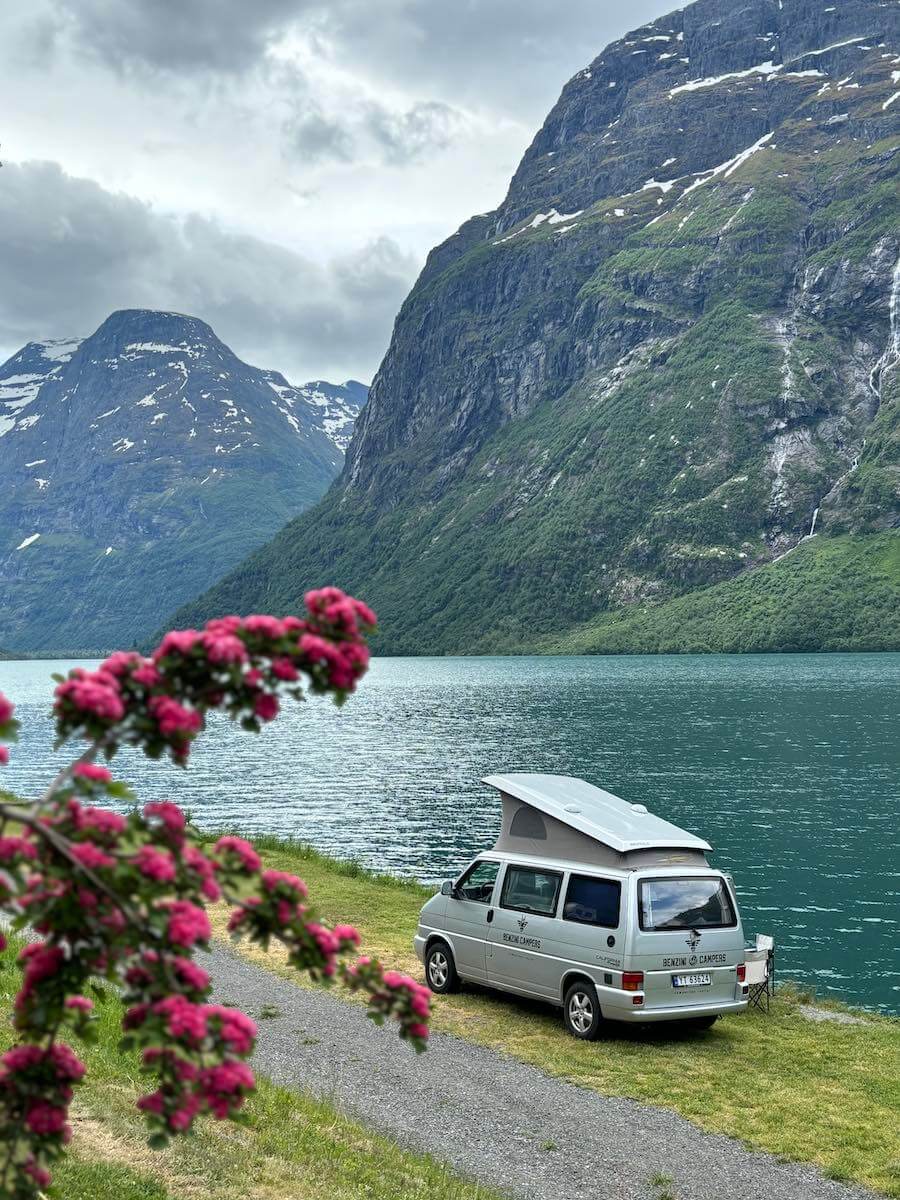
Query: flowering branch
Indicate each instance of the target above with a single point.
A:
(124, 898)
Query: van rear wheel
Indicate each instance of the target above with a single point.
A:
(581, 1012)
(440, 969)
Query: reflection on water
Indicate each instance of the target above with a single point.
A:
(788, 765)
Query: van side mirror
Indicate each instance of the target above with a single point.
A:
(447, 887)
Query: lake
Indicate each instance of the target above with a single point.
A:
(788, 765)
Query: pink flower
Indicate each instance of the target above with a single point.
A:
(155, 864)
(283, 668)
(147, 675)
(199, 863)
(22, 1058)
(41, 1177)
(177, 641)
(42, 1118)
(89, 770)
(324, 938)
(273, 879)
(417, 1030)
(187, 923)
(265, 626)
(266, 706)
(224, 647)
(316, 648)
(13, 847)
(190, 974)
(183, 1018)
(120, 662)
(168, 813)
(7, 708)
(153, 1103)
(102, 821)
(365, 614)
(41, 961)
(220, 625)
(4, 756)
(79, 1004)
(67, 1065)
(91, 856)
(235, 847)
(173, 717)
(237, 1030)
(347, 935)
(96, 693)
(182, 1118)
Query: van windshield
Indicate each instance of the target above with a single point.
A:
(685, 904)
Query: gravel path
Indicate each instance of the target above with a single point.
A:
(495, 1119)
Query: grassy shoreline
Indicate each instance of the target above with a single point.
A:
(818, 1092)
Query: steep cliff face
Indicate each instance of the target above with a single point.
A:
(672, 349)
(137, 466)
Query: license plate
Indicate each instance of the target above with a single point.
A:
(684, 981)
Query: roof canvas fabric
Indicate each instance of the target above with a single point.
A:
(562, 817)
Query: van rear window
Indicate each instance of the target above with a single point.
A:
(685, 904)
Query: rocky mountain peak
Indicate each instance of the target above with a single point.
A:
(149, 434)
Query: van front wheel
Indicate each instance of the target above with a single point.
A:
(440, 969)
(581, 1012)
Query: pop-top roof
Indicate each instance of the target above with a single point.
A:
(597, 814)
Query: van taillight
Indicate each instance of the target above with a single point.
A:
(632, 981)
(741, 972)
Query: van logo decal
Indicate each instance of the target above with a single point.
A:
(693, 941)
(522, 922)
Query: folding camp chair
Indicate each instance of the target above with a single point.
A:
(760, 971)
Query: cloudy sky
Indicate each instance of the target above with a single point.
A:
(279, 168)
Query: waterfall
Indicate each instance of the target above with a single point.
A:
(891, 355)
(812, 528)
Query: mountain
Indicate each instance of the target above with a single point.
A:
(668, 357)
(139, 465)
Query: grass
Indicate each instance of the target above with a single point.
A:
(817, 1092)
(290, 1146)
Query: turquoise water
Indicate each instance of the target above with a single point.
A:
(788, 765)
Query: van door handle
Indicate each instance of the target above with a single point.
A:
(490, 915)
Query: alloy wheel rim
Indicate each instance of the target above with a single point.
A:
(438, 969)
(581, 1012)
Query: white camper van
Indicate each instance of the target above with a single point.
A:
(593, 904)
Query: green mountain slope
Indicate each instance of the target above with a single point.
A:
(840, 593)
(673, 348)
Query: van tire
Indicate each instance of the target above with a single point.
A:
(440, 969)
(581, 1011)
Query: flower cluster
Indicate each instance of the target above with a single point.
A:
(123, 897)
(8, 728)
(36, 1088)
(239, 665)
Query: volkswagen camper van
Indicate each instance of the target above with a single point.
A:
(593, 904)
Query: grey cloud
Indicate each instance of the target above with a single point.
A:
(412, 135)
(314, 138)
(511, 54)
(397, 138)
(178, 35)
(72, 252)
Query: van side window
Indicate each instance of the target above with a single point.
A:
(593, 901)
(528, 890)
(478, 882)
